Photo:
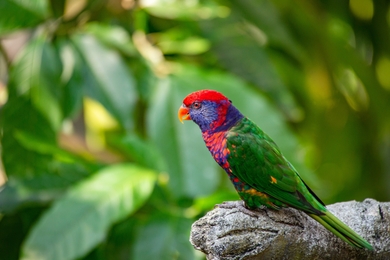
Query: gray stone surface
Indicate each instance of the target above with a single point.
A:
(230, 231)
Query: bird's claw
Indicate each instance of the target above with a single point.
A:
(241, 207)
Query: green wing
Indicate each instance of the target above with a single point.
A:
(256, 160)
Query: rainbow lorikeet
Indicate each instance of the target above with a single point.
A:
(259, 172)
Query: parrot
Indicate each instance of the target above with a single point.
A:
(260, 173)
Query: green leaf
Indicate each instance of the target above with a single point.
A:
(37, 74)
(40, 145)
(44, 187)
(268, 19)
(19, 14)
(72, 78)
(238, 50)
(19, 114)
(13, 228)
(164, 237)
(120, 239)
(192, 171)
(182, 10)
(13, 195)
(142, 152)
(80, 220)
(113, 36)
(109, 80)
(180, 41)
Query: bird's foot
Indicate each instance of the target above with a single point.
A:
(228, 205)
(242, 207)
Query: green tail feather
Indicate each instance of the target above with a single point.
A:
(333, 224)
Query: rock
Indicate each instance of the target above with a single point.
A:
(230, 231)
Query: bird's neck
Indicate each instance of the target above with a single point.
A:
(215, 138)
(227, 121)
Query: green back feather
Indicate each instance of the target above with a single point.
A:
(255, 159)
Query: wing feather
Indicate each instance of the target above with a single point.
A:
(255, 159)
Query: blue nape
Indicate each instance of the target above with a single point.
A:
(232, 117)
(205, 116)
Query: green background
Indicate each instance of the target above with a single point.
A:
(96, 164)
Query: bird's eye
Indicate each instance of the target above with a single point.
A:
(196, 105)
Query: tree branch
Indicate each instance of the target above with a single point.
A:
(230, 231)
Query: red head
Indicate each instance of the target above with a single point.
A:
(206, 94)
(207, 108)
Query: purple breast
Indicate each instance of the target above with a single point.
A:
(216, 143)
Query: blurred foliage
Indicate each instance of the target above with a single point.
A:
(96, 164)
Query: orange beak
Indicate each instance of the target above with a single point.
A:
(183, 113)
